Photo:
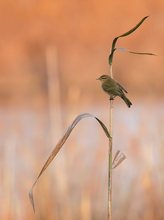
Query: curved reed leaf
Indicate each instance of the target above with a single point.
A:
(134, 28)
(59, 146)
(123, 35)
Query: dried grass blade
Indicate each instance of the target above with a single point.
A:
(122, 158)
(59, 146)
(116, 156)
(142, 53)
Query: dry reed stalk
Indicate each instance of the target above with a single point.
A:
(110, 155)
(55, 117)
(54, 93)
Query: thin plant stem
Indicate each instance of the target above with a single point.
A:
(110, 156)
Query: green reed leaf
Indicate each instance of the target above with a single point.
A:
(124, 35)
(59, 146)
(134, 28)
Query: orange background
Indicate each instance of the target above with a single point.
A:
(51, 54)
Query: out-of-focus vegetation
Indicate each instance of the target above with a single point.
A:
(51, 54)
(79, 35)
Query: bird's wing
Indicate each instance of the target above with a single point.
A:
(106, 87)
(122, 87)
(111, 90)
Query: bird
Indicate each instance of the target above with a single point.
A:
(113, 89)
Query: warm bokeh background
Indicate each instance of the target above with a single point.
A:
(51, 53)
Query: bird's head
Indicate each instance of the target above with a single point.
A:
(103, 78)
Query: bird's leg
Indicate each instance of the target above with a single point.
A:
(111, 98)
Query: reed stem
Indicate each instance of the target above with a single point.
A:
(110, 156)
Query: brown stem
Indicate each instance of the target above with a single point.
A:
(110, 157)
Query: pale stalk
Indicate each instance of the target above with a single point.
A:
(110, 157)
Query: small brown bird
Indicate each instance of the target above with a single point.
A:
(113, 89)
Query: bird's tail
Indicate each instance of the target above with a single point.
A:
(126, 100)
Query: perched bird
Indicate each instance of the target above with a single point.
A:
(113, 89)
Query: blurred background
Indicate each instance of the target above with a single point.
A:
(51, 54)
